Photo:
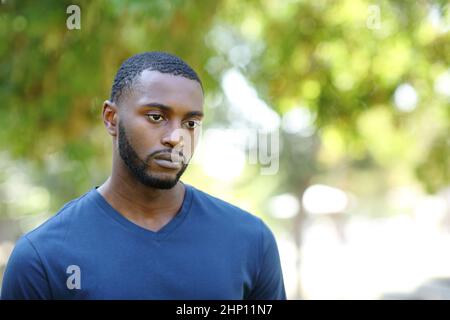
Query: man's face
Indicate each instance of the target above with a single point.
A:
(159, 123)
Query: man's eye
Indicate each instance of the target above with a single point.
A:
(155, 117)
(192, 124)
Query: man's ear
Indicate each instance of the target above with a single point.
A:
(110, 117)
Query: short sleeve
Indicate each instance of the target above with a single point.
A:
(269, 284)
(25, 277)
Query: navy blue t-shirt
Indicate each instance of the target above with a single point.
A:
(88, 250)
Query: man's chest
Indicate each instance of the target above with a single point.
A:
(153, 272)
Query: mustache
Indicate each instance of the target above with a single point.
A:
(169, 152)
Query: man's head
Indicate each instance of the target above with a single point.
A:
(154, 114)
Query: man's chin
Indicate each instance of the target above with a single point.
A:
(159, 182)
(165, 186)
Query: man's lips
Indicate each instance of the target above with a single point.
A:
(169, 160)
(167, 164)
(172, 157)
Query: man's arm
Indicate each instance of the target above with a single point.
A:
(25, 277)
(269, 284)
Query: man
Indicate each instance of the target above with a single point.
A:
(144, 234)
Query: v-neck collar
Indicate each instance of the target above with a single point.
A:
(162, 233)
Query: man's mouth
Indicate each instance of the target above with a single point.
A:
(169, 160)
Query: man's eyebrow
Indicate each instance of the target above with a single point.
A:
(194, 113)
(169, 109)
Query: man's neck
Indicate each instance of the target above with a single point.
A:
(146, 206)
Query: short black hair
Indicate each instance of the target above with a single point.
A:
(154, 60)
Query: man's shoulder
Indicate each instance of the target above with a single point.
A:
(229, 219)
(226, 210)
(56, 225)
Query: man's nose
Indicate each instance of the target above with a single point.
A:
(173, 139)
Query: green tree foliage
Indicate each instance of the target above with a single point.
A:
(340, 60)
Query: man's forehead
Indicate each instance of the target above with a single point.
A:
(167, 89)
(152, 79)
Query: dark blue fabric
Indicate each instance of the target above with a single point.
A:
(209, 250)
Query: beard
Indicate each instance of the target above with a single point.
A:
(140, 168)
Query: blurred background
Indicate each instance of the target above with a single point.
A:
(352, 98)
